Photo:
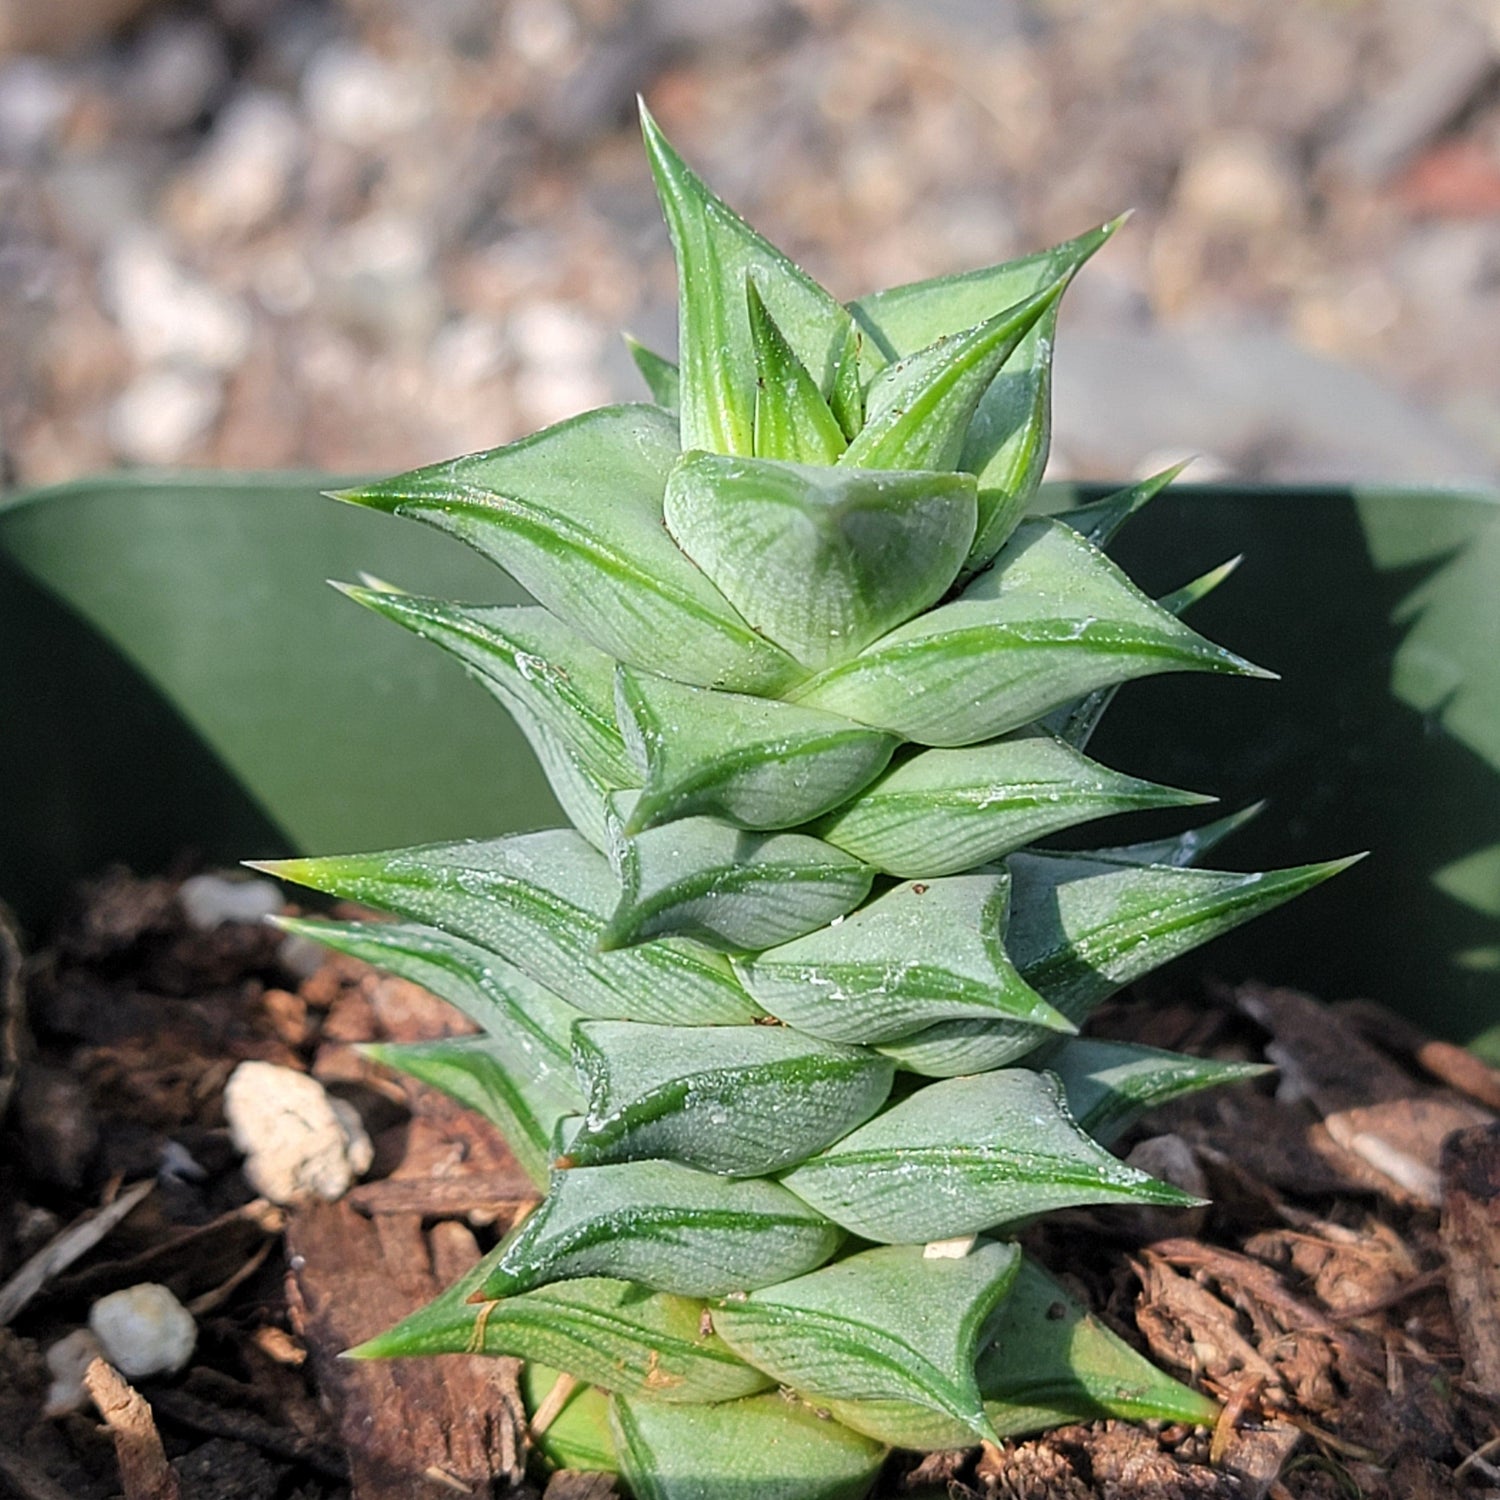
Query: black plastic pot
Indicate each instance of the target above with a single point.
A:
(176, 677)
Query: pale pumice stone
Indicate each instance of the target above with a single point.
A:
(207, 901)
(298, 1141)
(144, 1330)
(67, 1359)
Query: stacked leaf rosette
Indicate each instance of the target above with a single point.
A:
(785, 1025)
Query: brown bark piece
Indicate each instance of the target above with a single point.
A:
(1446, 1061)
(145, 1473)
(1471, 1237)
(415, 1429)
(1402, 1140)
(572, 1484)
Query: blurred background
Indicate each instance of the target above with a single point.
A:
(356, 236)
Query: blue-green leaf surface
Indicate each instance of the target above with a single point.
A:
(659, 373)
(1109, 1085)
(936, 812)
(480, 1073)
(542, 901)
(717, 252)
(821, 560)
(574, 514)
(755, 762)
(966, 1155)
(762, 1448)
(1050, 621)
(557, 687)
(924, 952)
(707, 880)
(742, 1101)
(666, 1226)
(918, 409)
(1047, 1360)
(885, 1340)
(610, 1332)
(792, 420)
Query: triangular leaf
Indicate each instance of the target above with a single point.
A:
(925, 952)
(1182, 848)
(1008, 438)
(1081, 926)
(966, 1155)
(940, 811)
(1110, 1085)
(573, 513)
(535, 1024)
(885, 1340)
(952, 1048)
(792, 420)
(707, 880)
(755, 762)
(918, 410)
(742, 1101)
(480, 1073)
(822, 560)
(659, 373)
(1053, 619)
(1048, 1360)
(666, 1226)
(542, 900)
(716, 253)
(762, 1448)
(1100, 520)
(557, 687)
(611, 1332)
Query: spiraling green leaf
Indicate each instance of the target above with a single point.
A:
(762, 1448)
(478, 1071)
(741, 1101)
(1008, 438)
(951, 1048)
(536, 1025)
(1047, 1360)
(966, 1155)
(1100, 520)
(755, 762)
(705, 879)
(666, 1226)
(925, 952)
(659, 373)
(574, 514)
(611, 1332)
(918, 410)
(717, 252)
(557, 687)
(1182, 848)
(1109, 1085)
(792, 420)
(1051, 620)
(822, 560)
(885, 1340)
(940, 811)
(1082, 926)
(543, 901)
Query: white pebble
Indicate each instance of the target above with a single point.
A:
(160, 416)
(298, 1141)
(168, 315)
(144, 1330)
(208, 901)
(67, 1359)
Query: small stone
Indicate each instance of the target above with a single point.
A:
(35, 98)
(175, 70)
(144, 1330)
(359, 99)
(298, 1141)
(1237, 181)
(167, 314)
(67, 1359)
(159, 416)
(300, 956)
(208, 901)
(242, 177)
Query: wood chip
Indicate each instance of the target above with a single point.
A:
(60, 1252)
(145, 1473)
(402, 1420)
(570, 1484)
(22, 1478)
(1446, 1061)
(1471, 1236)
(1402, 1139)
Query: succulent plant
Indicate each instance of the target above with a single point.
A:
(785, 1025)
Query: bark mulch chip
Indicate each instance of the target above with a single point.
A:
(1341, 1297)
